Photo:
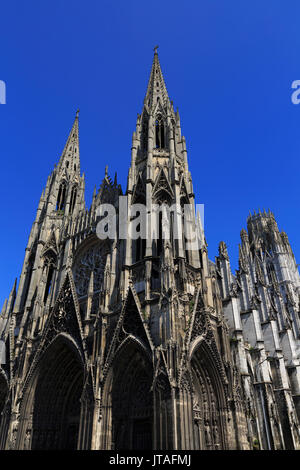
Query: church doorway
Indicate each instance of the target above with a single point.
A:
(56, 407)
(129, 406)
(208, 401)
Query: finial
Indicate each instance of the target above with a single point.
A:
(77, 113)
(155, 49)
(106, 171)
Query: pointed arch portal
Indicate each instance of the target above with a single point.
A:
(55, 401)
(128, 401)
(208, 402)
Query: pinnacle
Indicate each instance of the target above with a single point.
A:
(4, 307)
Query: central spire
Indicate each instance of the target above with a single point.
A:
(156, 90)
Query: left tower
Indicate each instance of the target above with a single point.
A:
(61, 200)
(47, 256)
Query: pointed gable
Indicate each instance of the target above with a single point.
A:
(50, 245)
(109, 191)
(63, 318)
(162, 186)
(139, 194)
(183, 189)
(130, 323)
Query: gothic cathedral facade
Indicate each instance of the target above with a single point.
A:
(147, 344)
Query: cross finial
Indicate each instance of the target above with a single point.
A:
(155, 49)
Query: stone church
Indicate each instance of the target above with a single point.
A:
(141, 343)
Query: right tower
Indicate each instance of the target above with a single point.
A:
(261, 304)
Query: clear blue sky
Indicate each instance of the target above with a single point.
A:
(228, 66)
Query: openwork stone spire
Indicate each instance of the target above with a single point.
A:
(156, 86)
(70, 157)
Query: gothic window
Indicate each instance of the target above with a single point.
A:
(61, 198)
(67, 163)
(140, 246)
(29, 272)
(159, 240)
(174, 134)
(49, 282)
(155, 281)
(50, 260)
(138, 249)
(185, 240)
(271, 273)
(163, 221)
(159, 132)
(73, 199)
(74, 167)
(145, 134)
(186, 250)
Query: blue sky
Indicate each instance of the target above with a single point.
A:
(228, 66)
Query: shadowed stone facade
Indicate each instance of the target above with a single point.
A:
(145, 344)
